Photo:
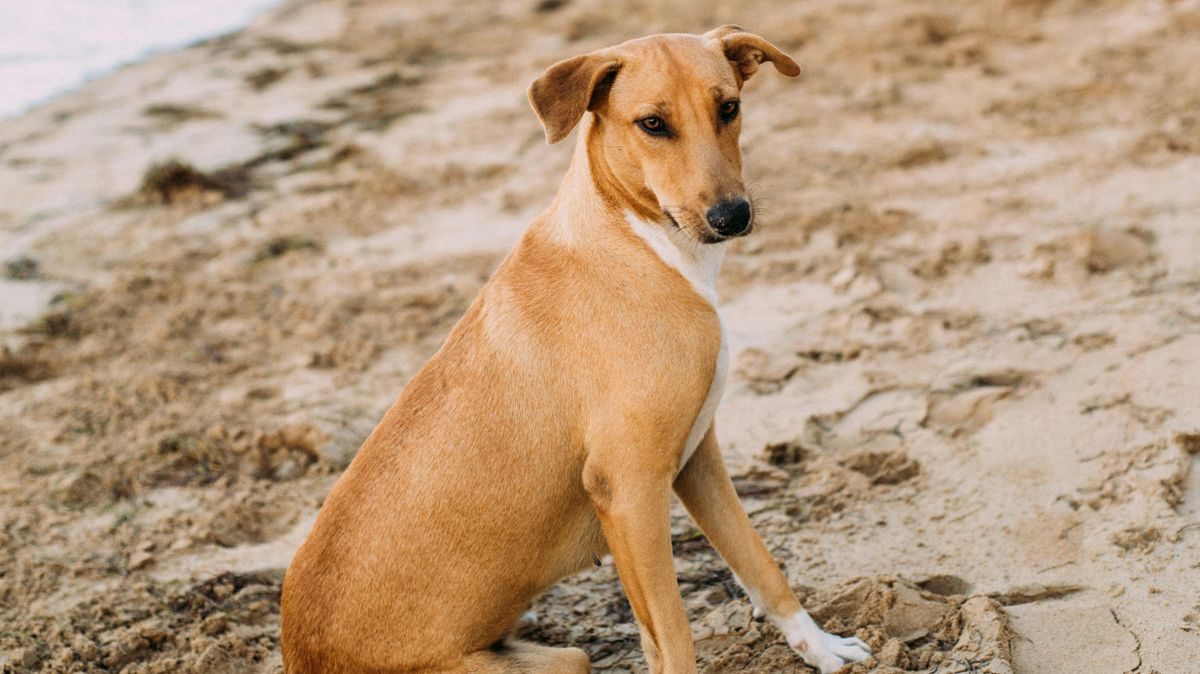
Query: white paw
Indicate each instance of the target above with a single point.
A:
(818, 648)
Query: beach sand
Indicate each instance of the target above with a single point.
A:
(964, 403)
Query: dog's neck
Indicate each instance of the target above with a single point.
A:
(594, 207)
(699, 263)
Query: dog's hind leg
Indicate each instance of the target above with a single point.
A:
(520, 657)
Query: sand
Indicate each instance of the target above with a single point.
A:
(964, 406)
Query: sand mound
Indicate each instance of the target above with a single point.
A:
(909, 629)
(227, 624)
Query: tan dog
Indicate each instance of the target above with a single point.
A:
(575, 393)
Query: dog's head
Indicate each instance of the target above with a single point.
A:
(667, 116)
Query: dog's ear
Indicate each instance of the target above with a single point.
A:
(569, 88)
(747, 50)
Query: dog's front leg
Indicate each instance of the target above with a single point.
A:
(706, 490)
(632, 501)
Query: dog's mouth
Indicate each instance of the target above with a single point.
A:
(706, 235)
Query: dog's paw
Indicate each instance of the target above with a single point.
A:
(818, 648)
(831, 652)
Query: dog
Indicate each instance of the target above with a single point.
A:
(574, 395)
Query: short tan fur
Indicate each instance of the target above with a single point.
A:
(570, 400)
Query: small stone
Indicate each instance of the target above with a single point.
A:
(844, 277)
(28, 657)
(717, 596)
(222, 590)
(894, 653)
(140, 560)
(287, 469)
(1106, 250)
(152, 633)
(214, 624)
(21, 268)
(85, 648)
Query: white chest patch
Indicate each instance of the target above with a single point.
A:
(699, 264)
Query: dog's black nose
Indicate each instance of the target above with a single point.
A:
(730, 218)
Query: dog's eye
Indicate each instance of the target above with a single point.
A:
(653, 125)
(729, 110)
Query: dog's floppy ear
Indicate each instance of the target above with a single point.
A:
(569, 88)
(747, 50)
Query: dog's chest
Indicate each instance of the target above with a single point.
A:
(699, 264)
(709, 409)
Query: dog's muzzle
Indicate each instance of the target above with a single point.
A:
(730, 218)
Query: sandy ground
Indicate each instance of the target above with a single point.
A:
(965, 402)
